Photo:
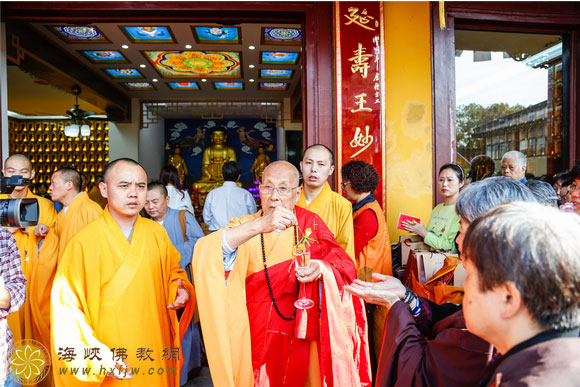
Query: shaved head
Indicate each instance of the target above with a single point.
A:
(18, 157)
(110, 166)
(320, 147)
(280, 167)
(72, 175)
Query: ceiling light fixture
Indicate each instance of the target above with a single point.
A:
(204, 80)
(142, 66)
(252, 66)
(252, 47)
(251, 80)
(77, 117)
(154, 79)
(188, 46)
(125, 46)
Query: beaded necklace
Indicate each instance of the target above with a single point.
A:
(268, 278)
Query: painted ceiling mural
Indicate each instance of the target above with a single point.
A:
(286, 36)
(183, 85)
(98, 56)
(148, 34)
(123, 73)
(280, 57)
(79, 34)
(226, 35)
(196, 64)
(161, 58)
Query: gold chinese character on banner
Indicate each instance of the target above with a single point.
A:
(361, 61)
(361, 20)
(360, 101)
(361, 140)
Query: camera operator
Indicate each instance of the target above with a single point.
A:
(27, 239)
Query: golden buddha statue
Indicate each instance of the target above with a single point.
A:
(215, 156)
(179, 163)
(261, 162)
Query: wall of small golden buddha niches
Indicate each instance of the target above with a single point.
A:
(48, 148)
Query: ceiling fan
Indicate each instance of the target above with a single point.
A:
(78, 117)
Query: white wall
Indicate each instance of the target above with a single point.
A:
(152, 148)
(124, 138)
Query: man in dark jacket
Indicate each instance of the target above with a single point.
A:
(522, 293)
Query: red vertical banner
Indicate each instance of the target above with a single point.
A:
(360, 85)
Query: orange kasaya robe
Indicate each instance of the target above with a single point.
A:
(249, 344)
(79, 213)
(336, 212)
(21, 323)
(375, 257)
(108, 293)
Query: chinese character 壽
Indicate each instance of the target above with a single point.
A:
(361, 61)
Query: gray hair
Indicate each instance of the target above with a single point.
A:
(517, 155)
(543, 192)
(483, 195)
(536, 248)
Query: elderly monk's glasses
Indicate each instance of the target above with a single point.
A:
(282, 191)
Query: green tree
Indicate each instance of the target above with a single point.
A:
(473, 115)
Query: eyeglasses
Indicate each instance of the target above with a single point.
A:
(345, 183)
(282, 191)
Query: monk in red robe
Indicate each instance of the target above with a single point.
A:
(253, 333)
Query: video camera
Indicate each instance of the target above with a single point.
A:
(22, 212)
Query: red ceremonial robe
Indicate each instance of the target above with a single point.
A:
(281, 350)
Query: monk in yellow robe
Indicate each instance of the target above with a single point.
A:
(78, 211)
(115, 295)
(22, 323)
(317, 166)
(253, 333)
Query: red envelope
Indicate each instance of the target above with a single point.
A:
(404, 218)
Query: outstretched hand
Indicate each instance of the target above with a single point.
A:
(181, 298)
(385, 292)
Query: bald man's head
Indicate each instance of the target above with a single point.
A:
(18, 165)
(18, 157)
(72, 175)
(283, 167)
(112, 164)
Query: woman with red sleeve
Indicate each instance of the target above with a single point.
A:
(371, 239)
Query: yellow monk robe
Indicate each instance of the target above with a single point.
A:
(111, 293)
(80, 212)
(248, 344)
(21, 323)
(336, 212)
